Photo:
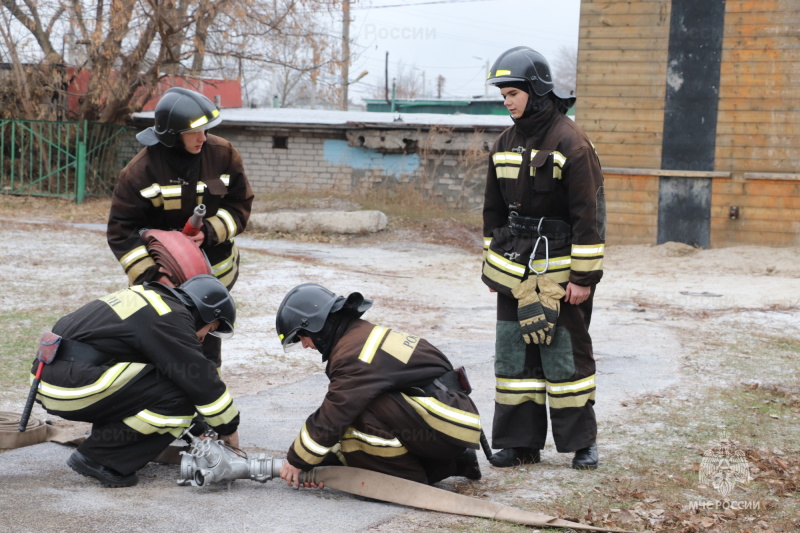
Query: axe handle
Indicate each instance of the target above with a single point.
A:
(26, 412)
(487, 450)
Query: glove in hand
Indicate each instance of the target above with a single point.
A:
(550, 295)
(529, 312)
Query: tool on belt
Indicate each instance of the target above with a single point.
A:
(195, 222)
(455, 380)
(45, 353)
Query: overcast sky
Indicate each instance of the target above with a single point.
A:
(453, 38)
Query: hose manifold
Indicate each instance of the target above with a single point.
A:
(213, 461)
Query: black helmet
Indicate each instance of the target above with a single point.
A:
(306, 308)
(208, 300)
(179, 111)
(523, 63)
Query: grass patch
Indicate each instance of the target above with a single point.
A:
(20, 334)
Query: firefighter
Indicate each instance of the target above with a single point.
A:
(132, 364)
(394, 403)
(544, 233)
(180, 167)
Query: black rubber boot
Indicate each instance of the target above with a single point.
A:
(586, 458)
(467, 465)
(515, 457)
(108, 477)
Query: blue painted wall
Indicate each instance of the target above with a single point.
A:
(338, 152)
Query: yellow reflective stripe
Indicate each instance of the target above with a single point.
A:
(510, 173)
(518, 399)
(133, 256)
(455, 429)
(199, 122)
(500, 262)
(304, 454)
(373, 343)
(226, 416)
(449, 413)
(356, 441)
(562, 402)
(104, 382)
(521, 384)
(507, 158)
(153, 298)
(570, 387)
(171, 191)
(226, 179)
(374, 440)
(151, 192)
(554, 263)
(503, 279)
(138, 269)
(588, 250)
(559, 159)
(157, 420)
(311, 444)
(486, 242)
(587, 265)
(229, 222)
(224, 265)
(217, 406)
(200, 188)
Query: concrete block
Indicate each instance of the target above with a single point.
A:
(319, 221)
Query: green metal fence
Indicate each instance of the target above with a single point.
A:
(65, 159)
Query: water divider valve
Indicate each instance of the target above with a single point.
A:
(214, 461)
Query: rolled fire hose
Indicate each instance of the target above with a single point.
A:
(177, 253)
(11, 437)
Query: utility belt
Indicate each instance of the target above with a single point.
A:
(527, 245)
(544, 227)
(69, 350)
(453, 380)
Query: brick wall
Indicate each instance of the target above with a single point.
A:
(446, 165)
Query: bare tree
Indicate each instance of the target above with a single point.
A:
(121, 49)
(407, 83)
(565, 69)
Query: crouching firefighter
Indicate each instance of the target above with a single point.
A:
(394, 403)
(132, 364)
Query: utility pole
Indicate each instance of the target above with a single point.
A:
(386, 78)
(345, 54)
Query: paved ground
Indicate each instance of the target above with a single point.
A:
(424, 289)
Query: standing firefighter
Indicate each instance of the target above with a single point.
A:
(131, 363)
(394, 404)
(544, 234)
(180, 168)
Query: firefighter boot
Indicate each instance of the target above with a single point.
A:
(467, 465)
(586, 458)
(515, 457)
(108, 477)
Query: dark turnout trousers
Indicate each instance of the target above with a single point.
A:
(529, 377)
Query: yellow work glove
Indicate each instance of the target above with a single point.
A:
(529, 312)
(550, 295)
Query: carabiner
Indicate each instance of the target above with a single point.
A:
(536, 246)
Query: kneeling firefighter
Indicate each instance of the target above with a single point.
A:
(394, 403)
(132, 364)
